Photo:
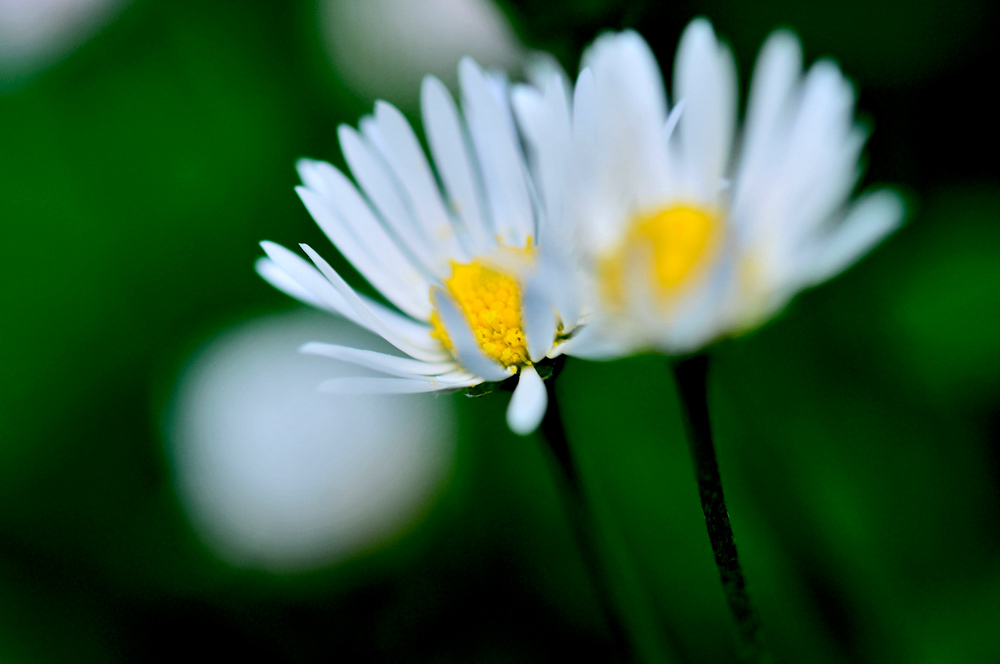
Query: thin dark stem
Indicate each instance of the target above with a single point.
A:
(581, 521)
(690, 374)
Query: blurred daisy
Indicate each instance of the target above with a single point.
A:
(382, 49)
(684, 233)
(472, 267)
(275, 475)
(37, 33)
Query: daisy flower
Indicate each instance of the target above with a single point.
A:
(685, 231)
(463, 253)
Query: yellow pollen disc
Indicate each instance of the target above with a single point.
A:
(491, 302)
(673, 242)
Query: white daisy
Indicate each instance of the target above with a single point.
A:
(472, 266)
(684, 233)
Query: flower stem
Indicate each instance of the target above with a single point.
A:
(690, 374)
(581, 520)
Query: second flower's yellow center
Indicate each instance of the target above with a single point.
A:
(491, 302)
(673, 243)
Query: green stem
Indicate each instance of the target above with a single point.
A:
(690, 374)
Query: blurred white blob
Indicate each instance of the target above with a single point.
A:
(37, 33)
(277, 475)
(383, 48)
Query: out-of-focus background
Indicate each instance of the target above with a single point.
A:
(169, 479)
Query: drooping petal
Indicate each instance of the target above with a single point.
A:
(528, 403)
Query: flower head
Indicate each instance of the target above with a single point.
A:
(685, 229)
(472, 268)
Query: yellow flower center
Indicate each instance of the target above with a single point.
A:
(671, 244)
(491, 302)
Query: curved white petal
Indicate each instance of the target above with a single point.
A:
(368, 318)
(418, 331)
(871, 218)
(528, 403)
(375, 385)
(277, 277)
(466, 347)
(309, 279)
(403, 367)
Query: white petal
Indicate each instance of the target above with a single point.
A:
(417, 331)
(703, 315)
(541, 66)
(704, 78)
(822, 145)
(277, 277)
(671, 123)
(403, 367)
(299, 271)
(589, 344)
(618, 146)
(593, 204)
(385, 195)
(412, 296)
(558, 278)
(451, 156)
(774, 81)
(369, 319)
(545, 120)
(360, 221)
(369, 385)
(470, 355)
(500, 158)
(403, 153)
(539, 319)
(528, 403)
(872, 217)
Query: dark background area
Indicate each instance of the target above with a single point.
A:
(857, 431)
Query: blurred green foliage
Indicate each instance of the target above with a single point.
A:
(857, 432)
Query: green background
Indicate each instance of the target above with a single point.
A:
(856, 432)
